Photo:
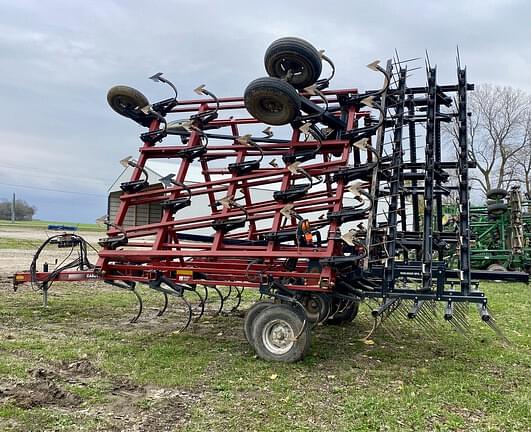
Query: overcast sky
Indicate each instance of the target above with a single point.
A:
(59, 58)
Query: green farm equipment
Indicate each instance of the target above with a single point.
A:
(501, 231)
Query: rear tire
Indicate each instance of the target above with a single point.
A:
(272, 101)
(274, 332)
(297, 55)
(346, 315)
(317, 307)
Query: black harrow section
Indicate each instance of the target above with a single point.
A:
(318, 199)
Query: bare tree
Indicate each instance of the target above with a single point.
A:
(522, 159)
(498, 134)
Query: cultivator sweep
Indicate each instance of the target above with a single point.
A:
(320, 199)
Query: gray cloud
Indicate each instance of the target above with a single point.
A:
(58, 58)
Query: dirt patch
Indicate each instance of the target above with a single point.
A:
(151, 409)
(79, 368)
(167, 414)
(39, 392)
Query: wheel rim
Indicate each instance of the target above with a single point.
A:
(278, 337)
(287, 64)
(301, 71)
(271, 105)
(125, 103)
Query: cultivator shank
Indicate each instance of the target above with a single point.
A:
(320, 200)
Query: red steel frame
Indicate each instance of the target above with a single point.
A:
(156, 249)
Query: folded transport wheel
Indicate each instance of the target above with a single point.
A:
(345, 315)
(272, 101)
(128, 102)
(277, 335)
(496, 194)
(497, 209)
(294, 59)
(251, 315)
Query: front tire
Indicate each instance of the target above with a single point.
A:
(274, 333)
(250, 317)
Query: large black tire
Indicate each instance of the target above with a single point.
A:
(346, 315)
(274, 332)
(128, 102)
(297, 55)
(317, 307)
(272, 101)
(250, 316)
(496, 194)
(497, 209)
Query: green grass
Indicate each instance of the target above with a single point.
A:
(11, 243)
(38, 224)
(414, 380)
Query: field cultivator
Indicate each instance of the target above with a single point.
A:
(352, 209)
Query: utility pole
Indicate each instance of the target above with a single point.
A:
(13, 209)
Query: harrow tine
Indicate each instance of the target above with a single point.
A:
(207, 296)
(228, 294)
(129, 286)
(239, 297)
(161, 311)
(140, 306)
(454, 315)
(425, 320)
(389, 319)
(389, 303)
(398, 315)
(421, 319)
(188, 313)
(488, 319)
(200, 305)
(458, 326)
(461, 316)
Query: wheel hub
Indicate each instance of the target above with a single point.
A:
(278, 336)
(272, 105)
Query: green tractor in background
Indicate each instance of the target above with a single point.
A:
(501, 231)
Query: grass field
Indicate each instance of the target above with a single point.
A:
(13, 243)
(79, 365)
(38, 224)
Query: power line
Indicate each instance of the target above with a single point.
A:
(48, 174)
(51, 190)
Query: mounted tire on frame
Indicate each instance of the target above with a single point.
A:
(319, 199)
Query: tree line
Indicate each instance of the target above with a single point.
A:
(499, 132)
(23, 211)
